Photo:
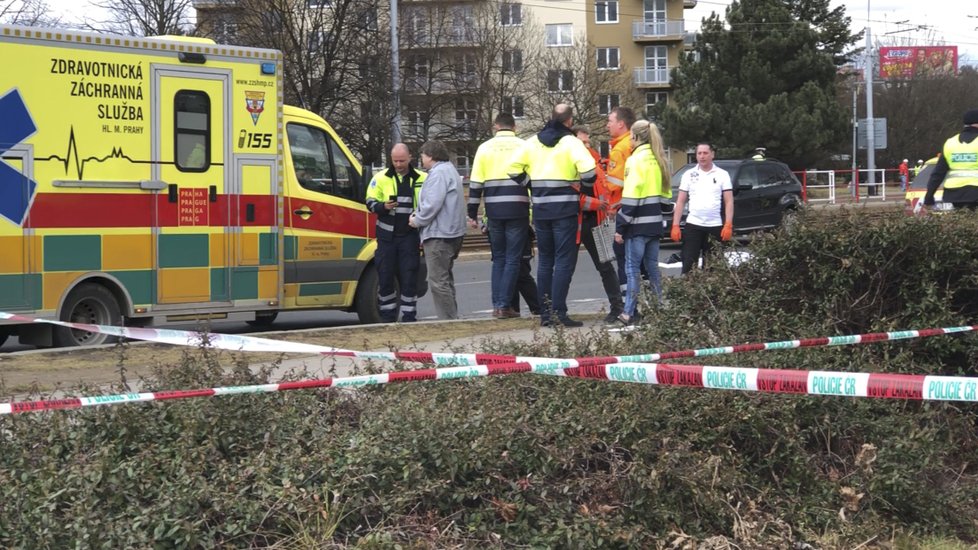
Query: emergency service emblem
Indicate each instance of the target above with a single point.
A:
(16, 190)
(255, 102)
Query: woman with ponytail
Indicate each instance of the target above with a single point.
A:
(638, 224)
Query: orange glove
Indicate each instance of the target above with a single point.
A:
(675, 234)
(727, 232)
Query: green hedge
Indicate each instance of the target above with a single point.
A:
(540, 461)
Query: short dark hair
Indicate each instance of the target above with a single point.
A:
(435, 149)
(708, 144)
(505, 120)
(625, 114)
(580, 128)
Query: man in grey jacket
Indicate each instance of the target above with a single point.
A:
(440, 217)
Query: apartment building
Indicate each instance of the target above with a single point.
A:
(644, 37)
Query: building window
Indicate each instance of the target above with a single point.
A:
(607, 58)
(414, 126)
(654, 10)
(513, 61)
(464, 110)
(606, 11)
(560, 35)
(514, 106)
(462, 25)
(465, 67)
(368, 19)
(316, 41)
(416, 25)
(318, 3)
(226, 32)
(652, 100)
(510, 15)
(560, 80)
(192, 110)
(607, 102)
(417, 67)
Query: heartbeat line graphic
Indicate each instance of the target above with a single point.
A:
(71, 154)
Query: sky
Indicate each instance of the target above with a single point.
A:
(894, 22)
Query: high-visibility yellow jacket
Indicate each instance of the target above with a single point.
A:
(641, 198)
(385, 185)
(489, 180)
(961, 182)
(554, 163)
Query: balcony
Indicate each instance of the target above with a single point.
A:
(652, 78)
(643, 30)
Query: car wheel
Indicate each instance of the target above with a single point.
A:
(367, 301)
(92, 304)
(263, 319)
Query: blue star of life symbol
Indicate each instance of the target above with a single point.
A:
(16, 190)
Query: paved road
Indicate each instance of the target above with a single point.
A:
(472, 285)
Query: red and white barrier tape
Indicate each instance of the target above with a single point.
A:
(826, 383)
(249, 343)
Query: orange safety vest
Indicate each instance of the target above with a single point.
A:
(602, 190)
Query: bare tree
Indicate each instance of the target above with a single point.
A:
(571, 75)
(142, 17)
(336, 62)
(33, 13)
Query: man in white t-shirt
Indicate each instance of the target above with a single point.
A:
(710, 194)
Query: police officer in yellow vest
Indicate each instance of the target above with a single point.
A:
(393, 196)
(957, 167)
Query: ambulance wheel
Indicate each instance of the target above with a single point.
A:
(367, 306)
(263, 319)
(3, 336)
(92, 304)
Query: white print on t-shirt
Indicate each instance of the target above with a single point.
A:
(705, 191)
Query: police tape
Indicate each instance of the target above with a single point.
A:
(797, 382)
(250, 343)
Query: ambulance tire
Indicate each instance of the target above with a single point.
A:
(367, 306)
(263, 319)
(88, 303)
(3, 336)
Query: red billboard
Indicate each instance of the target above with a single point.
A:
(918, 61)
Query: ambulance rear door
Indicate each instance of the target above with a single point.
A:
(191, 153)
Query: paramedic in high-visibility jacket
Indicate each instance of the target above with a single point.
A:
(507, 211)
(555, 164)
(957, 168)
(393, 196)
(639, 222)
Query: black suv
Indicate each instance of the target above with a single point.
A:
(764, 190)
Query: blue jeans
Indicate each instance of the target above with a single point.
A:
(641, 251)
(506, 241)
(557, 245)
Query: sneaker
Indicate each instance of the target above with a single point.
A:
(623, 321)
(570, 323)
(546, 322)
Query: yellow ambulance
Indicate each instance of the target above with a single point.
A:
(149, 181)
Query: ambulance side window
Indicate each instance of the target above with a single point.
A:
(346, 176)
(310, 158)
(192, 120)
